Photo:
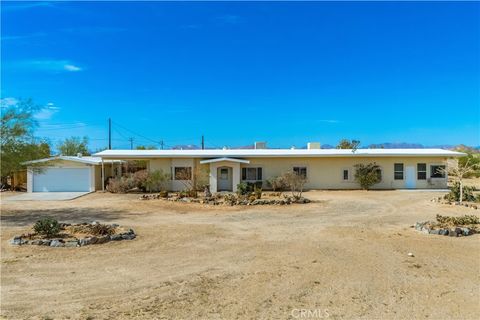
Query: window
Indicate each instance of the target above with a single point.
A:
(346, 175)
(224, 173)
(302, 171)
(183, 173)
(398, 171)
(252, 174)
(421, 171)
(436, 171)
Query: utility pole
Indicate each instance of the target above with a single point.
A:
(109, 134)
(161, 144)
(131, 143)
(203, 142)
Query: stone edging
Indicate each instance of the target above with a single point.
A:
(58, 242)
(452, 232)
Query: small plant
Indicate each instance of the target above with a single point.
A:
(102, 229)
(454, 194)
(157, 181)
(277, 183)
(257, 192)
(295, 182)
(163, 194)
(368, 175)
(462, 220)
(230, 199)
(242, 188)
(47, 226)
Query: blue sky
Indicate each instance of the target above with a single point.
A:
(283, 72)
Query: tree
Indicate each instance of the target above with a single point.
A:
(347, 144)
(146, 148)
(17, 142)
(367, 175)
(459, 171)
(295, 182)
(472, 159)
(73, 146)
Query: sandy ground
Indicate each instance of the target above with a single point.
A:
(342, 257)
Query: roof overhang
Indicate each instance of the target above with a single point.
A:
(86, 160)
(224, 159)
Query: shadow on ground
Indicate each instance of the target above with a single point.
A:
(22, 218)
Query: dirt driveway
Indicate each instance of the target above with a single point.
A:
(342, 257)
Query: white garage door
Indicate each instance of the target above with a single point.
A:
(62, 180)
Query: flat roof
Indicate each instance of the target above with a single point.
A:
(269, 153)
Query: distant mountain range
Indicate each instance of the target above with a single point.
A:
(386, 145)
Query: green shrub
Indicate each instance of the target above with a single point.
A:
(257, 192)
(454, 194)
(47, 227)
(277, 183)
(367, 175)
(157, 181)
(242, 188)
(462, 220)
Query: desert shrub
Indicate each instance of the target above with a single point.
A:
(163, 194)
(139, 179)
(367, 175)
(462, 220)
(295, 182)
(454, 194)
(119, 185)
(257, 192)
(242, 188)
(101, 229)
(230, 198)
(157, 181)
(47, 227)
(277, 183)
(252, 198)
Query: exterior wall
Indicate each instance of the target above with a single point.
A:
(322, 173)
(326, 173)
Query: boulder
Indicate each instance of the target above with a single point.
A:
(466, 231)
(443, 232)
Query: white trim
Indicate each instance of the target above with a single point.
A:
(265, 153)
(224, 159)
(86, 160)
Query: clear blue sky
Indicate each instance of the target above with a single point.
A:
(283, 72)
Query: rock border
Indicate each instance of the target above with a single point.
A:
(59, 242)
(222, 200)
(452, 232)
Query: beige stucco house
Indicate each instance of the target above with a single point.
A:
(324, 168)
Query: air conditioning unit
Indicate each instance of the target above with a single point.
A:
(260, 145)
(313, 145)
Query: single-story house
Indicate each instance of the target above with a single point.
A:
(69, 173)
(324, 168)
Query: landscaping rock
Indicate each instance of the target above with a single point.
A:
(116, 237)
(443, 232)
(452, 233)
(71, 243)
(103, 239)
(17, 241)
(128, 236)
(433, 231)
(57, 243)
(466, 231)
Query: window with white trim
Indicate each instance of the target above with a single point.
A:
(182, 173)
(302, 171)
(437, 171)
(398, 171)
(252, 174)
(421, 171)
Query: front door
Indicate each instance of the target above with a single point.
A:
(224, 175)
(410, 177)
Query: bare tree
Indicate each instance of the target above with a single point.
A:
(458, 172)
(295, 182)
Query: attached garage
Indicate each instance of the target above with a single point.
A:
(69, 174)
(62, 180)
